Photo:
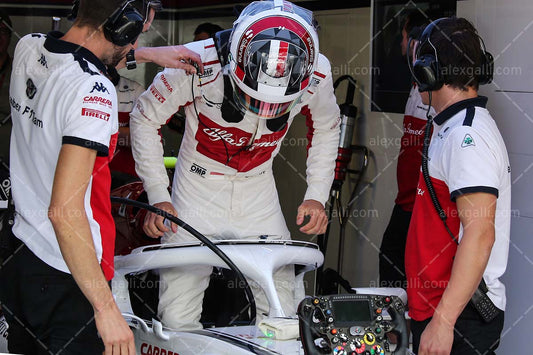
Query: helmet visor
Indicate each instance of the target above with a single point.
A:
(261, 108)
(276, 63)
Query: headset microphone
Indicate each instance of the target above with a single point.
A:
(348, 115)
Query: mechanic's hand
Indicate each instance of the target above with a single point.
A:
(154, 224)
(179, 57)
(318, 220)
(437, 338)
(115, 332)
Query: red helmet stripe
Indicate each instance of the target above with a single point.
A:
(282, 56)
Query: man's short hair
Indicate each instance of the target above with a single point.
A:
(207, 27)
(94, 13)
(459, 52)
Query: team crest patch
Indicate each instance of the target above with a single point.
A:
(468, 141)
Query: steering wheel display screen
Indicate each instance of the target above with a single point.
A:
(351, 311)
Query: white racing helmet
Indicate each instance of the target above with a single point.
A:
(273, 53)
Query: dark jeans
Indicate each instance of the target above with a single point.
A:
(46, 311)
(392, 250)
(471, 336)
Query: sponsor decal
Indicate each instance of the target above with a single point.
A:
(197, 169)
(157, 94)
(149, 349)
(31, 90)
(99, 87)
(99, 100)
(14, 104)
(42, 61)
(28, 111)
(165, 81)
(207, 72)
(216, 134)
(95, 113)
(419, 191)
(468, 141)
(3, 327)
(408, 129)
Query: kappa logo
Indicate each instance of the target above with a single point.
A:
(468, 141)
(99, 87)
(31, 90)
(198, 170)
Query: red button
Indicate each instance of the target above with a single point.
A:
(333, 331)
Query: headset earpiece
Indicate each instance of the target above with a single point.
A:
(124, 26)
(487, 65)
(426, 69)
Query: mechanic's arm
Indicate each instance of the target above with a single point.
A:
(322, 116)
(69, 219)
(179, 57)
(476, 212)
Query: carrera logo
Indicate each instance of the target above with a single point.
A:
(167, 85)
(97, 99)
(197, 169)
(157, 94)
(147, 349)
(95, 113)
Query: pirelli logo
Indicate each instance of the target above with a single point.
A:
(95, 113)
(157, 94)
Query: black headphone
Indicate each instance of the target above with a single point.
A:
(427, 71)
(123, 26)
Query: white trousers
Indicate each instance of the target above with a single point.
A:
(221, 208)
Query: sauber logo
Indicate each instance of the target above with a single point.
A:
(95, 113)
(157, 94)
(167, 85)
(148, 349)
(97, 99)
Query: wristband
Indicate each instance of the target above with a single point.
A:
(130, 60)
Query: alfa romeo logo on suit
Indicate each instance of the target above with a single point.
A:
(31, 90)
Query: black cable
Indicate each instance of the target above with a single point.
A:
(203, 239)
(425, 172)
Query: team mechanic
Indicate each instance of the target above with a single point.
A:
(237, 114)
(64, 113)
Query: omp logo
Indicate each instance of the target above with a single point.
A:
(97, 99)
(167, 85)
(198, 170)
(99, 87)
(207, 72)
(157, 94)
(95, 113)
(148, 349)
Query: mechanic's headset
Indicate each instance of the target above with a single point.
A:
(427, 71)
(123, 26)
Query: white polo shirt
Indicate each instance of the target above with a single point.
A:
(467, 154)
(58, 96)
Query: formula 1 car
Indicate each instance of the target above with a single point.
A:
(366, 322)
